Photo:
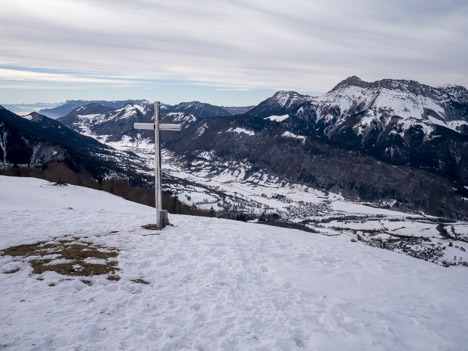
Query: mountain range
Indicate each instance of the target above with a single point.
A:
(197, 108)
(35, 140)
(397, 142)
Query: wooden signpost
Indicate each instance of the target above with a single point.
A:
(157, 157)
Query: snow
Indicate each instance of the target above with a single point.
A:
(295, 136)
(283, 97)
(288, 98)
(406, 123)
(200, 130)
(344, 97)
(456, 125)
(128, 111)
(181, 117)
(412, 109)
(276, 118)
(239, 130)
(214, 284)
(405, 104)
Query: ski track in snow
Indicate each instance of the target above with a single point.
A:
(215, 284)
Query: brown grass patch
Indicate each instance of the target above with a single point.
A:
(150, 227)
(113, 277)
(75, 253)
(140, 281)
(12, 271)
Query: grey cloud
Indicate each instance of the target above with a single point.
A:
(302, 45)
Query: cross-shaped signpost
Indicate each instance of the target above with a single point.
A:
(157, 157)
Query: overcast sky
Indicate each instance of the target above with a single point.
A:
(226, 52)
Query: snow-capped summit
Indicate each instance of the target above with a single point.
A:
(289, 98)
(394, 104)
(128, 111)
(199, 109)
(351, 81)
(280, 103)
(179, 117)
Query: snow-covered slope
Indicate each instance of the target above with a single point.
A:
(210, 284)
(117, 125)
(402, 122)
(35, 140)
(399, 104)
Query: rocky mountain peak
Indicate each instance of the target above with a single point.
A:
(284, 98)
(199, 109)
(457, 92)
(409, 87)
(189, 104)
(280, 103)
(34, 117)
(351, 81)
(91, 108)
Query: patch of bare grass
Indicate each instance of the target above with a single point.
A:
(140, 281)
(12, 271)
(149, 226)
(73, 252)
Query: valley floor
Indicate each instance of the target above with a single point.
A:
(207, 284)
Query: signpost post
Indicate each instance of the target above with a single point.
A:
(157, 156)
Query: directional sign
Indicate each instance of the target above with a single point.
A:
(144, 125)
(156, 126)
(162, 126)
(170, 127)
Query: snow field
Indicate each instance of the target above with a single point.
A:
(214, 284)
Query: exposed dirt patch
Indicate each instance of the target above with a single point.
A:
(12, 271)
(150, 227)
(140, 281)
(67, 257)
(113, 277)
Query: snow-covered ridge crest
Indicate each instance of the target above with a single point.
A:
(181, 117)
(276, 118)
(239, 130)
(382, 100)
(129, 110)
(288, 98)
(294, 136)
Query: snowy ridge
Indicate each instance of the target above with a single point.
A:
(295, 136)
(212, 284)
(129, 111)
(239, 130)
(199, 109)
(381, 101)
(277, 118)
(289, 98)
(180, 117)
